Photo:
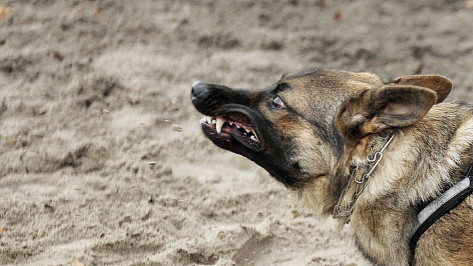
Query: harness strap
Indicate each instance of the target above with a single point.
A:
(440, 206)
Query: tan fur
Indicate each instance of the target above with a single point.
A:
(384, 214)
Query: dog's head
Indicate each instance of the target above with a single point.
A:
(299, 127)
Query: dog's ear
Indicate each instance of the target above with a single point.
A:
(440, 84)
(391, 106)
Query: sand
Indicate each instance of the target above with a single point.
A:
(102, 161)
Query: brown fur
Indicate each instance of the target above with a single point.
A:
(431, 150)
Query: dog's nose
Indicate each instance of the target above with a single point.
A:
(206, 97)
(198, 87)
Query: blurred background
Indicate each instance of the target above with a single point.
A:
(102, 161)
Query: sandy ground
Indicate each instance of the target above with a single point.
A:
(102, 161)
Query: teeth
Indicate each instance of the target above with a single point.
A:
(219, 125)
(220, 122)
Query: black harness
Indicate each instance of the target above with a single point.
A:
(440, 206)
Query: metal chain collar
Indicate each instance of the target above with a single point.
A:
(356, 185)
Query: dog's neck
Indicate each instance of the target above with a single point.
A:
(360, 172)
(325, 193)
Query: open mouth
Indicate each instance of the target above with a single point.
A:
(233, 125)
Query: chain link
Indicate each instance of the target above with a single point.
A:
(345, 210)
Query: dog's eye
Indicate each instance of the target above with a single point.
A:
(278, 103)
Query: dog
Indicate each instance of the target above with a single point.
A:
(369, 151)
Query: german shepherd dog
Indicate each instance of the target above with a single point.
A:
(366, 150)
